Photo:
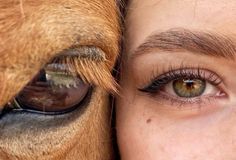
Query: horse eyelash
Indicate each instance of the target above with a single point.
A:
(90, 65)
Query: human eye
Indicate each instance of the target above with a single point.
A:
(186, 87)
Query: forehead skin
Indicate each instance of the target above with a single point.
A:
(32, 32)
(160, 15)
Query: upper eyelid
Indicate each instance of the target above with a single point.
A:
(173, 73)
(194, 72)
(90, 52)
(90, 63)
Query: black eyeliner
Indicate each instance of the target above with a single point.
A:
(173, 74)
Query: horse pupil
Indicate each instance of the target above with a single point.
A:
(42, 76)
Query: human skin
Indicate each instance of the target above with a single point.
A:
(160, 124)
(32, 33)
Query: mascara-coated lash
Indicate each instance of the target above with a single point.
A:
(184, 73)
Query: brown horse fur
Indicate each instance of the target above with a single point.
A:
(33, 32)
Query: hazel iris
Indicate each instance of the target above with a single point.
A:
(189, 88)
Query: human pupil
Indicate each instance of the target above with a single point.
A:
(189, 87)
(190, 84)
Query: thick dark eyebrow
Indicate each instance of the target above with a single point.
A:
(205, 43)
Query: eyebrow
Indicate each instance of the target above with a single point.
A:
(180, 39)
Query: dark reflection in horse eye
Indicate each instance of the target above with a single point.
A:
(54, 89)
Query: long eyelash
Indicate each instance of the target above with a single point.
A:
(173, 74)
(89, 64)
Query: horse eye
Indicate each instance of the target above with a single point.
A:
(54, 90)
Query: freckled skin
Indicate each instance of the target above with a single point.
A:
(149, 120)
(31, 34)
(172, 132)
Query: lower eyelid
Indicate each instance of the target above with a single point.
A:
(170, 102)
